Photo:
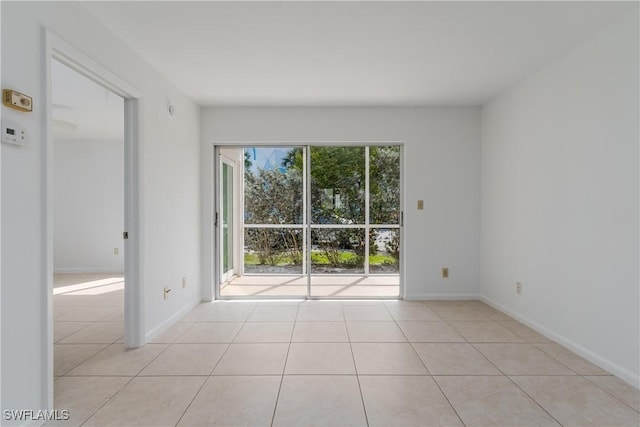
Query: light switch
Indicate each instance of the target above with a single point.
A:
(420, 205)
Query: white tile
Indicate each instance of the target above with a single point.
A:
(319, 400)
(522, 359)
(430, 332)
(405, 401)
(148, 401)
(226, 312)
(485, 332)
(96, 333)
(171, 334)
(87, 314)
(64, 329)
(492, 401)
(68, 356)
(375, 332)
(454, 359)
(253, 359)
(574, 401)
(327, 312)
(357, 313)
(568, 358)
(320, 358)
(618, 388)
(186, 359)
(387, 359)
(253, 332)
(274, 314)
(413, 312)
(320, 332)
(234, 401)
(117, 360)
(82, 396)
(210, 332)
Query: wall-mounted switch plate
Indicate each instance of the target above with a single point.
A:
(116, 251)
(420, 205)
(166, 293)
(445, 272)
(184, 282)
(519, 287)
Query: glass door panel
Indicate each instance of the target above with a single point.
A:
(337, 251)
(227, 220)
(269, 250)
(274, 222)
(384, 185)
(337, 185)
(384, 251)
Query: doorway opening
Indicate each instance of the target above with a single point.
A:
(58, 50)
(308, 221)
(88, 132)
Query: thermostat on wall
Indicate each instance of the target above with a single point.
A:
(13, 134)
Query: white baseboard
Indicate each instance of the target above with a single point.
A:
(592, 357)
(167, 323)
(425, 297)
(88, 270)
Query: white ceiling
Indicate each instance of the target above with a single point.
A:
(351, 53)
(82, 109)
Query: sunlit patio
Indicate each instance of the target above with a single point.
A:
(352, 286)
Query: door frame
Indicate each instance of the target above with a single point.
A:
(134, 333)
(214, 278)
(224, 276)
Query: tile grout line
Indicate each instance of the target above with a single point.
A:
(355, 367)
(534, 400)
(212, 369)
(425, 365)
(72, 333)
(606, 391)
(284, 367)
(502, 372)
(107, 401)
(555, 358)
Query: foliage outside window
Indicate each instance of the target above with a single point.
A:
(273, 194)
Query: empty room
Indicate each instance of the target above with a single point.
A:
(320, 213)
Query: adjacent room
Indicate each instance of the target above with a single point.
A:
(371, 213)
(88, 271)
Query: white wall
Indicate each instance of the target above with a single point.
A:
(442, 166)
(88, 206)
(560, 200)
(169, 174)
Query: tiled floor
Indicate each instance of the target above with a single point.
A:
(88, 316)
(314, 363)
(322, 285)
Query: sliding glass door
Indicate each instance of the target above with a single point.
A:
(314, 221)
(354, 221)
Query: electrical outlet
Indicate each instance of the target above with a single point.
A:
(445, 272)
(116, 251)
(166, 292)
(519, 287)
(184, 282)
